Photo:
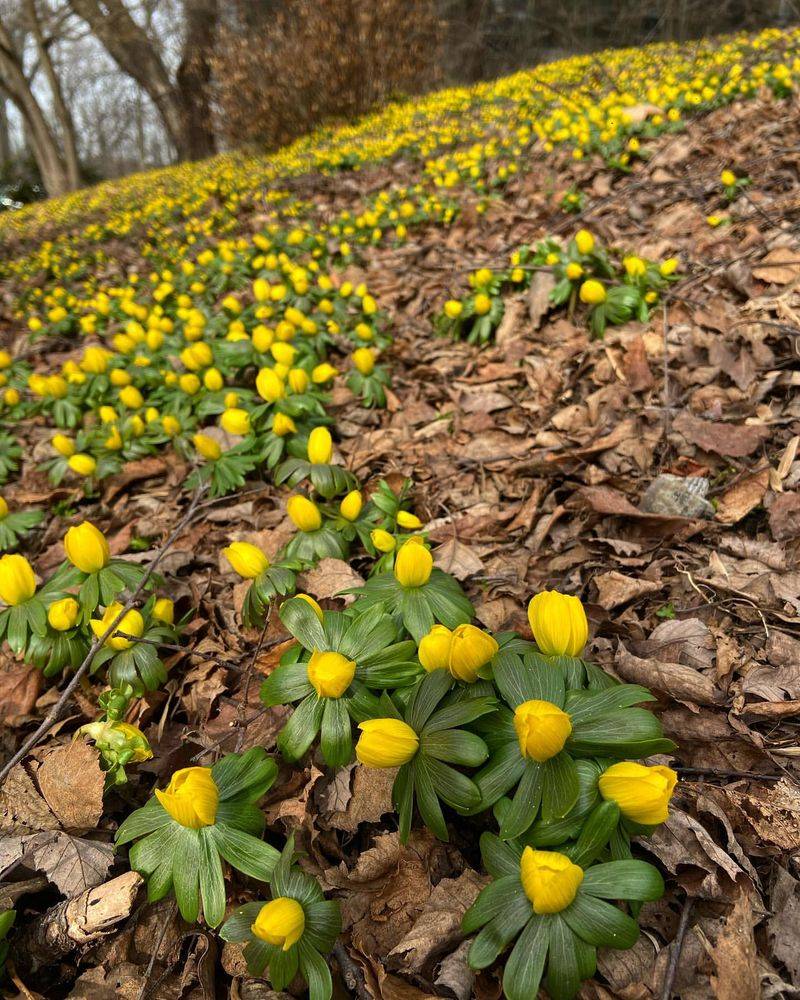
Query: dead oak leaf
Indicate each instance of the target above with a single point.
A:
(20, 686)
(329, 578)
(457, 559)
(779, 267)
(731, 440)
(71, 782)
(735, 955)
(615, 589)
(744, 496)
(70, 863)
(369, 799)
(682, 682)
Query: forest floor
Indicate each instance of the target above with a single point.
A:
(531, 460)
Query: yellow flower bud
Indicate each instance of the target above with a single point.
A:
(728, 178)
(364, 360)
(303, 513)
(191, 798)
(298, 380)
(558, 623)
(108, 415)
(213, 380)
(11, 397)
(270, 388)
(453, 309)
(131, 397)
(550, 880)
(63, 445)
(17, 582)
(668, 267)
(283, 425)
(171, 425)
(434, 649)
(642, 793)
(323, 373)
(312, 604)
(83, 465)
(351, 506)
(330, 674)
(247, 560)
(189, 383)
(584, 241)
(131, 623)
(164, 610)
(280, 922)
(86, 547)
(207, 447)
(482, 304)
(592, 292)
(413, 564)
(235, 421)
(470, 649)
(542, 729)
(320, 446)
(382, 540)
(386, 743)
(63, 614)
(95, 360)
(634, 266)
(5, 359)
(3, 509)
(574, 271)
(408, 520)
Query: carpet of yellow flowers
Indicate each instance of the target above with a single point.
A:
(429, 372)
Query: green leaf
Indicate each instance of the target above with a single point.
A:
(500, 930)
(523, 972)
(315, 971)
(491, 901)
(459, 713)
(154, 849)
(283, 966)
(599, 923)
(152, 816)
(300, 731)
(624, 880)
(452, 786)
(560, 786)
(337, 740)
(563, 971)
(596, 833)
(323, 924)
(427, 800)
(628, 732)
(503, 770)
(252, 771)
(212, 884)
(584, 706)
(367, 634)
(287, 683)
(416, 613)
(185, 865)
(257, 955)
(247, 854)
(403, 798)
(427, 695)
(525, 804)
(455, 746)
(546, 677)
(237, 926)
(499, 858)
(299, 617)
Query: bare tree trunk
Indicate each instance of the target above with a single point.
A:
(5, 137)
(60, 107)
(42, 139)
(184, 106)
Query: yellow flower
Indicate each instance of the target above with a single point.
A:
(171, 425)
(558, 623)
(95, 360)
(283, 425)
(413, 564)
(189, 383)
(17, 582)
(634, 266)
(312, 604)
(386, 743)
(298, 380)
(668, 267)
(164, 610)
(235, 421)
(542, 729)
(191, 798)
(131, 623)
(213, 380)
(434, 649)
(270, 388)
(592, 292)
(470, 649)
(482, 304)
(5, 359)
(550, 880)
(453, 309)
(3, 509)
(408, 520)
(207, 447)
(364, 360)
(642, 793)
(584, 241)
(131, 397)
(119, 736)
(714, 221)
(330, 674)
(86, 547)
(280, 922)
(63, 614)
(84, 465)
(574, 271)
(303, 513)
(351, 506)
(323, 373)
(11, 397)
(246, 559)
(382, 540)
(320, 446)
(728, 178)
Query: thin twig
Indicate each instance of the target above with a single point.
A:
(55, 712)
(351, 973)
(149, 970)
(677, 948)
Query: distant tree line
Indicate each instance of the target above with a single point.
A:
(92, 88)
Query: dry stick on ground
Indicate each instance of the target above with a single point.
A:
(240, 721)
(55, 712)
(677, 948)
(156, 948)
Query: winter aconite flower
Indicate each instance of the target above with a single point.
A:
(17, 582)
(382, 540)
(386, 743)
(280, 922)
(86, 548)
(592, 292)
(351, 506)
(303, 513)
(320, 446)
(462, 651)
(550, 880)
(191, 798)
(542, 729)
(330, 674)
(83, 465)
(642, 793)
(413, 564)
(131, 623)
(247, 560)
(558, 623)
(63, 614)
